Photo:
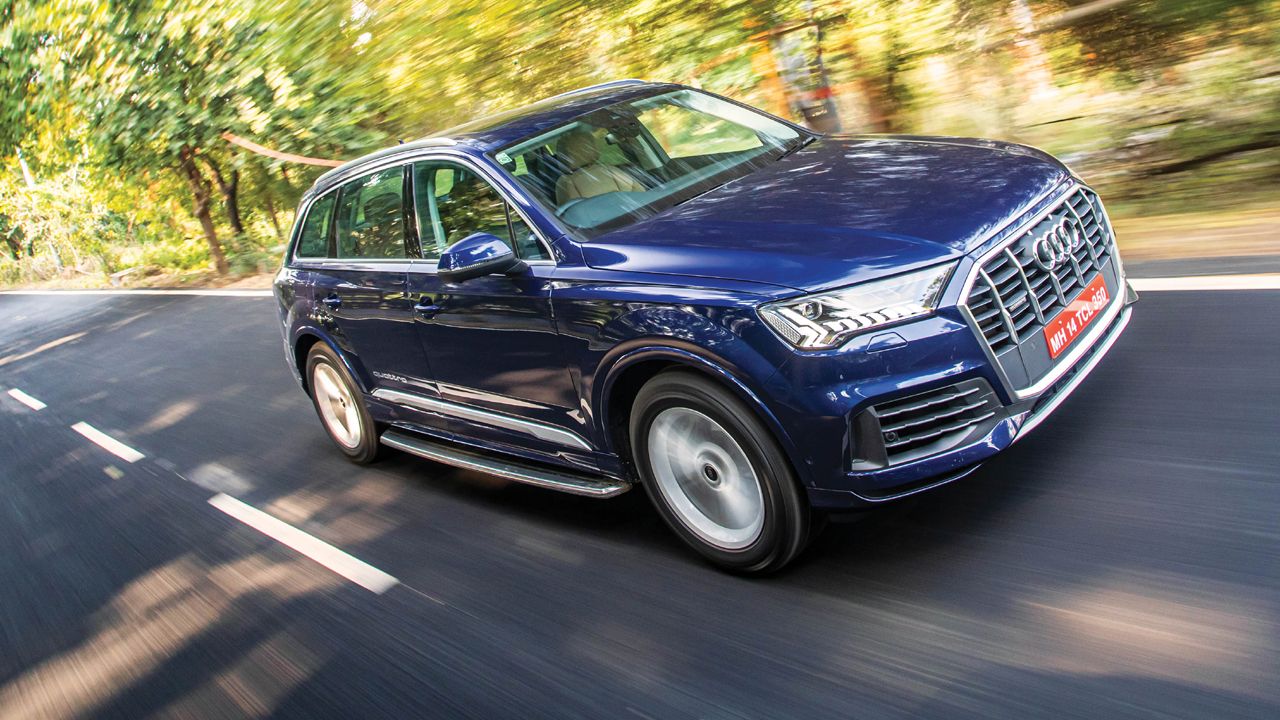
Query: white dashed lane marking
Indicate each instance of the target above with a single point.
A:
(26, 399)
(108, 443)
(351, 568)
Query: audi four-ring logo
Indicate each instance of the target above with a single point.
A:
(1056, 246)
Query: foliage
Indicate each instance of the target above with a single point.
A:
(119, 106)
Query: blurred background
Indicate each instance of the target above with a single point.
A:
(166, 143)
(1122, 562)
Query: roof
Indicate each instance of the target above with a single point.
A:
(491, 132)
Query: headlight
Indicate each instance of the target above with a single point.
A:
(826, 320)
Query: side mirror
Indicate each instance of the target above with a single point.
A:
(475, 256)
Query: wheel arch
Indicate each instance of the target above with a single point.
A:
(306, 338)
(630, 368)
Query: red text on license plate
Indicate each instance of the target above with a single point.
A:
(1061, 331)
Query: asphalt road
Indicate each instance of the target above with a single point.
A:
(1123, 561)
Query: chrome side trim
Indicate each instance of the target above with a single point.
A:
(1034, 420)
(528, 427)
(544, 478)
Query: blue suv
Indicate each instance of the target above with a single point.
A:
(647, 283)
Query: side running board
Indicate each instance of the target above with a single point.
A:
(528, 474)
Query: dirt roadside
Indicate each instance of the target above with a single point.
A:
(1244, 233)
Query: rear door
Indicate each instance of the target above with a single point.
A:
(360, 289)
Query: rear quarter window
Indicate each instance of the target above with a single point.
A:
(313, 239)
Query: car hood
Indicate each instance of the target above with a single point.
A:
(842, 210)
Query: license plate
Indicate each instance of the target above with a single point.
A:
(1061, 331)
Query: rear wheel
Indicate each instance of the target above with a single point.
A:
(716, 474)
(340, 405)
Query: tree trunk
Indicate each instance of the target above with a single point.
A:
(230, 194)
(200, 207)
(232, 197)
(271, 211)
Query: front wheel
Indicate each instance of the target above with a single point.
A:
(716, 474)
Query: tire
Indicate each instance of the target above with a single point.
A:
(716, 474)
(340, 404)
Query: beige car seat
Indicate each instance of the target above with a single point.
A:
(588, 177)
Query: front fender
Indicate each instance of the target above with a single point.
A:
(718, 341)
(714, 367)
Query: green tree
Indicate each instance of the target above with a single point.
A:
(158, 81)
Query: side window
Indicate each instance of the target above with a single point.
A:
(453, 202)
(371, 216)
(685, 134)
(313, 239)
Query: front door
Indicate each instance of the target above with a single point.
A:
(491, 341)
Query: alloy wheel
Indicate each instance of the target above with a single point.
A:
(337, 405)
(706, 478)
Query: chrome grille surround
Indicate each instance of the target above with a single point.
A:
(1008, 296)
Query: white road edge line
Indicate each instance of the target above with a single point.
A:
(213, 292)
(1207, 282)
(26, 399)
(108, 443)
(357, 571)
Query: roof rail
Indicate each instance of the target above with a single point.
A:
(601, 86)
(348, 167)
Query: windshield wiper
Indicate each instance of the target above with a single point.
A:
(696, 195)
(803, 142)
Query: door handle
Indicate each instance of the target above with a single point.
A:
(333, 302)
(426, 309)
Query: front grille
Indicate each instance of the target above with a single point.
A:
(926, 423)
(1013, 297)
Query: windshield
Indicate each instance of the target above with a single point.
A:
(629, 161)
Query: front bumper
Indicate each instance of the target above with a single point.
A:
(896, 412)
(936, 355)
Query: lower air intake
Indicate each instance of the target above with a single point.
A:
(927, 423)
